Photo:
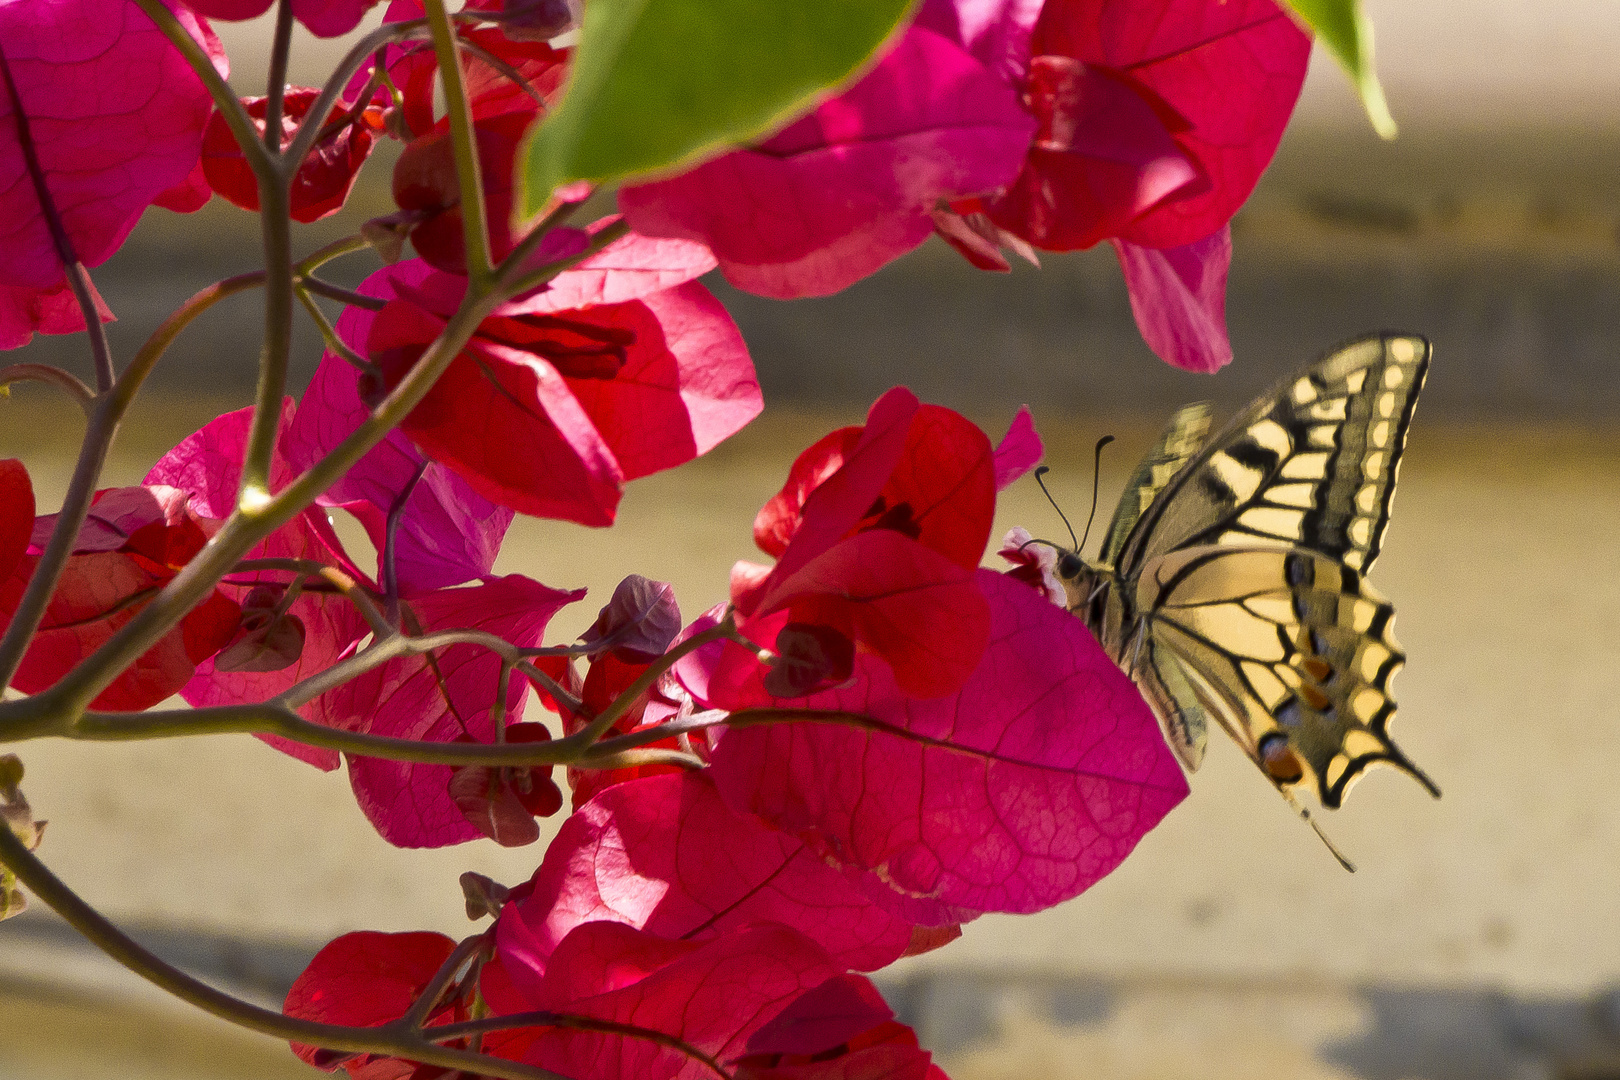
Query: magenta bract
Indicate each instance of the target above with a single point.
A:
(1019, 791)
(666, 855)
(323, 18)
(26, 310)
(1157, 119)
(208, 465)
(712, 995)
(1178, 296)
(851, 186)
(447, 533)
(445, 698)
(115, 115)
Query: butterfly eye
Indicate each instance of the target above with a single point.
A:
(1069, 566)
(1279, 760)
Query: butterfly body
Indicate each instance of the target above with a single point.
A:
(1231, 586)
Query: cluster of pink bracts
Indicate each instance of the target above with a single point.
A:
(976, 751)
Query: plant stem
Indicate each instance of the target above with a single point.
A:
(311, 283)
(79, 280)
(620, 705)
(275, 204)
(164, 335)
(115, 943)
(64, 381)
(475, 233)
(422, 1007)
(329, 335)
(275, 89)
(25, 619)
(48, 711)
(348, 245)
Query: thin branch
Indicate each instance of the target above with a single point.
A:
(64, 381)
(30, 610)
(49, 711)
(422, 1007)
(330, 336)
(275, 208)
(275, 89)
(337, 292)
(444, 1032)
(348, 245)
(165, 334)
(310, 128)
(386, 1041)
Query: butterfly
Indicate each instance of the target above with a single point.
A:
(1231, 585)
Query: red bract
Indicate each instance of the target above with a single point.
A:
(208, 465)
(836, 195)
(712, 995)
(25, 310)
(426, 184)
(1156, 119)
(134, 542)
(549, 411)
(841, 1030)
(365, 979)
(1128, 85)
(323, 18)
(16, 514)
(447, 697)
(322, 183)
(666, 855)
(115, 116)
(1021, 790)
(876, 533)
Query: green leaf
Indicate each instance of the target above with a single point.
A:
(1347, 32)
(657, 83)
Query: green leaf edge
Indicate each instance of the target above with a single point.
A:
(526, 170)
(1348, 34)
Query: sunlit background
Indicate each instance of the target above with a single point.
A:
(1481, 934)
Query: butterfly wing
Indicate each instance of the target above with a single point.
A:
(1311, 464)
(1291, 651)
(1176, 446)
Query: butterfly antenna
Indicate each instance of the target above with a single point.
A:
(1096, 477)
(1039, 473)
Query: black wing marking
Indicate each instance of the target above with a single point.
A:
(1183, 438)
(1282, 645)
(1310, 464)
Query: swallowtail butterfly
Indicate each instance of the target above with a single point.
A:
(1232, 583)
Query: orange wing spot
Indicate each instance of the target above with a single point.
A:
(1279, 759)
